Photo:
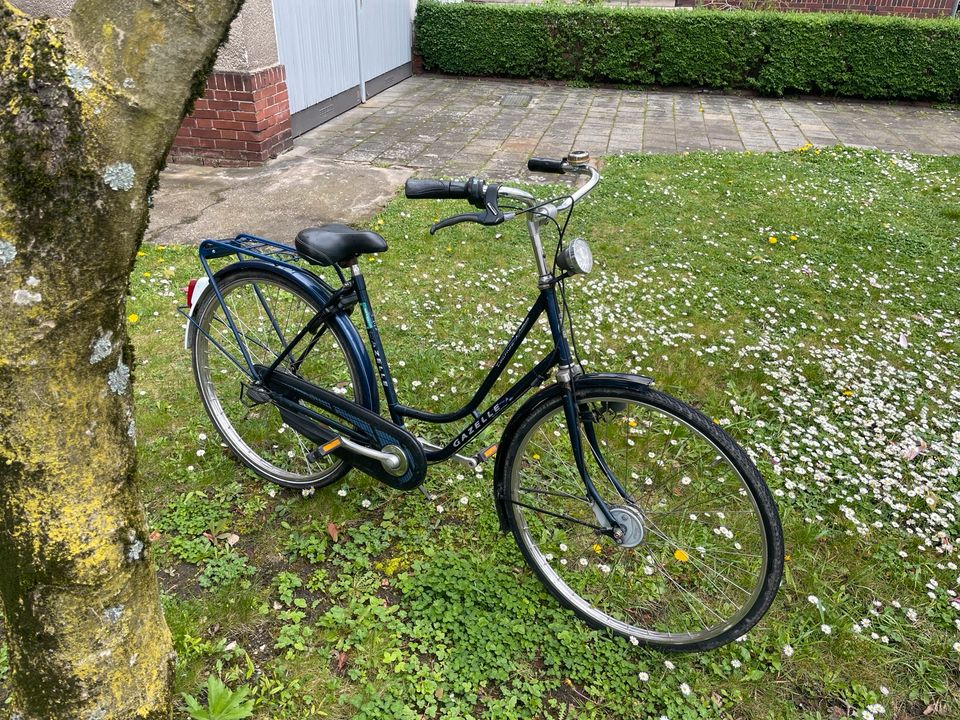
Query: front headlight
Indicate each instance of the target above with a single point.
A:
(576, 257)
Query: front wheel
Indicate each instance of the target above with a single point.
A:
(701, 554)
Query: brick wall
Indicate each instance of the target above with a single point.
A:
(242, 119)
(909, 8)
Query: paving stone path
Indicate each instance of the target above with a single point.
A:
(465, 126)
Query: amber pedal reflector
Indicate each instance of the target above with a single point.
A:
(329, 447)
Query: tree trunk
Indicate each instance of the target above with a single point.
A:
(88, 108)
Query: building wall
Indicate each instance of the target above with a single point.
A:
(243, 117)
(253, 39)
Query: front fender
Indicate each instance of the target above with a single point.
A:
(622, 381)
(320, 292)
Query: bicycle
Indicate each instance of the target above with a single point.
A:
(634, 510)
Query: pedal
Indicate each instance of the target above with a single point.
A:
(486, 454)
(324, 450)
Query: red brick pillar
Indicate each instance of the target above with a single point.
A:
(242, 119)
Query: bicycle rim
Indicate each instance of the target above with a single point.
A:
(268, 313)
(698, 569)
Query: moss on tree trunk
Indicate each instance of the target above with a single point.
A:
(88, 108)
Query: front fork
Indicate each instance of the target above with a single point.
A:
(600, 508)
(566, 377)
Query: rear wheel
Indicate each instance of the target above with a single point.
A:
(268, 311)
(702, 551)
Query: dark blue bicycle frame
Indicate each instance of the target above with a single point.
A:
(546, 302)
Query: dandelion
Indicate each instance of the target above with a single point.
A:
(563, 547)
(787, 650)
(669, 665)
(202, 437)
(201, 452)
(132, 318)
(643, 676)
(307, 492)
(439, 508)
(365, 503)
(772, 240)
(685, 689)
(634, 641)
(826, 629)
(342, 492)
(736, 664)
(464, 500)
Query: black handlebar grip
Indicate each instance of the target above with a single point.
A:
(435, 190)
(545, 165)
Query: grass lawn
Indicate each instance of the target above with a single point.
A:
(808, 301)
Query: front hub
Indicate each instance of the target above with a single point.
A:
(631, 523)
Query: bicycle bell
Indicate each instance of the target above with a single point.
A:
(578, 158)
(576, 257)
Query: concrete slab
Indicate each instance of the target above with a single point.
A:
(275, 201)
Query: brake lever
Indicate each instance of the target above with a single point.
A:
(455, 219)
(491, 214)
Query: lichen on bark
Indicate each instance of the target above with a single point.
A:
(79, 150)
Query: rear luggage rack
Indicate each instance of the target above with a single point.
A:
(249, 245)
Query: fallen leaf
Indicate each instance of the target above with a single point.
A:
(341, 659)
(154, 536)
(231, 538)
(332, 531)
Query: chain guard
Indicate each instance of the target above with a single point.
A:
(376, 432)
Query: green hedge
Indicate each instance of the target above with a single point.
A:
(772, 53)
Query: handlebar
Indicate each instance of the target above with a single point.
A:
(545, 165)
(445, 190)
(486, 197)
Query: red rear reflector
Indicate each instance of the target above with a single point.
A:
(190, 287)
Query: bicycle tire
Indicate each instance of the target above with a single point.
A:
(637, 597)
(255, 432)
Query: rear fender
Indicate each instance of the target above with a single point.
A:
(320, 292)
(583, 382)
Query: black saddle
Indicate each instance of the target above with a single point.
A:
(333, 243)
